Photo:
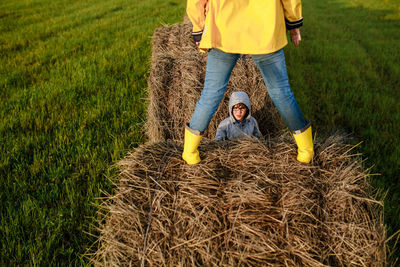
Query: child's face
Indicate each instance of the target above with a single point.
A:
(239, 111)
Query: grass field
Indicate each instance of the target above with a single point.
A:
(73, 88)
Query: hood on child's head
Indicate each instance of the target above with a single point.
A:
(236, 98)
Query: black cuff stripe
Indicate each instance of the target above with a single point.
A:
(197, 36)
(293, 24)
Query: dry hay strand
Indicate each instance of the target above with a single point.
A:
(248, 203)
(176, 80)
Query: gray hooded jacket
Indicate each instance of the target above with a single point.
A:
(230, 128)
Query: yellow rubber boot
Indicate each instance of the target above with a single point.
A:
(305, 149)
(190, 153)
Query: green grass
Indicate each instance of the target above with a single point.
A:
(346, 77)
(72, 88)
(73, 84)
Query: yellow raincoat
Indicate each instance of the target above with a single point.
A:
(244, 26)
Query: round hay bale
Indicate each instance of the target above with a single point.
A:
(176, 80)
(248, 203)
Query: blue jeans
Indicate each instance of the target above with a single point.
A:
(273, 71)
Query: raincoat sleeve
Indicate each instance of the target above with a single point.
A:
(221, 133)
(293, 13)
(256, 131)
(196, 11)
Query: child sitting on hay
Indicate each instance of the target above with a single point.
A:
(240, 123)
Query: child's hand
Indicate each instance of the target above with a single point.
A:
(295, 36)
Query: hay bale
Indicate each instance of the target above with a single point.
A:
(248, 203)
(176, 80)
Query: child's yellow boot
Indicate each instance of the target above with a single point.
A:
(192, 140)
(304, 141)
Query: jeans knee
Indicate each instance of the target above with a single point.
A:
(284, 95)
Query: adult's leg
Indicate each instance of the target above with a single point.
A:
(218, 72)
(273, 70)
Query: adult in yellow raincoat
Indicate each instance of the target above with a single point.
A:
(229, 28)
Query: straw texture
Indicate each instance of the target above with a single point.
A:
(248, 203)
